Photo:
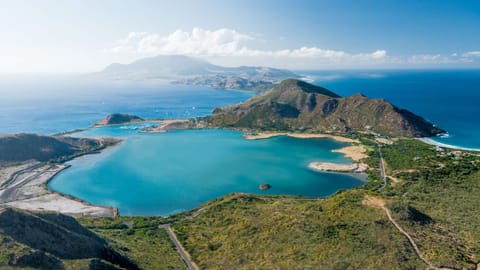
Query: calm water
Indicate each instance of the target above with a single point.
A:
(450, 99)
(51, 105)
(160, 174)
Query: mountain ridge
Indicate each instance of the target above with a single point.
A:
(181, 69)
(295, 105)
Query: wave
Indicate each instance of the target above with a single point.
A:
(433, 142)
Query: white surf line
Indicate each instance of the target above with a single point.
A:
(435, 143)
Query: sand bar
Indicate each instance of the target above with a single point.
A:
(354, 152)
(334, 167)
(258, 136)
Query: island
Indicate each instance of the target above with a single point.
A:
(186, 70)
(118, 119)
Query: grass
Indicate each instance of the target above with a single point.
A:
(442, 188)
(140, 239)
(259, 232)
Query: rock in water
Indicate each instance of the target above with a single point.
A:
(264, 186)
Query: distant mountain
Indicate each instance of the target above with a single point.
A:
(182, 69)
(118, 118)
(23, 147)
(294, 105)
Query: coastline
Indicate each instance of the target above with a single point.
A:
(335, 167)
(27, 189)
(267, 135)
(354, 152)
(439, 144)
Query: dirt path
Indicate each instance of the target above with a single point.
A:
(181, 251)
(380, 203)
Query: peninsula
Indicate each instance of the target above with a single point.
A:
(29, 161)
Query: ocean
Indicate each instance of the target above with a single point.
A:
(448, 98)
(49, 105)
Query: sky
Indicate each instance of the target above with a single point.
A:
(70, 36)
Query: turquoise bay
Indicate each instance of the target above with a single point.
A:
(161, 174)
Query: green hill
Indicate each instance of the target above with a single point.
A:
(53, 241)
(23, 146)
(118, 118)
(294, 105)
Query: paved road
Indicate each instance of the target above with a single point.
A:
(382, 168)
(181, 251)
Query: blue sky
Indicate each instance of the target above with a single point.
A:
(86, 35)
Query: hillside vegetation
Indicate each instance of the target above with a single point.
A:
(23, 147)
(118, 118)
(294, 105)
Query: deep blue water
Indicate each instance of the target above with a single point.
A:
(160, 174)
(448, 98)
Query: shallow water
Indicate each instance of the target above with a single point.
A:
(160, 174)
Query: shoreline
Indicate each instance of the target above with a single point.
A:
(268, 135)
(336, 167)
(439, 144)
(28, 190)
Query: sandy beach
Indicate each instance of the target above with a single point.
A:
(354, 152)
(334, 167)
(168, 124)
(27, 189)
(258, 136)
(435, 143)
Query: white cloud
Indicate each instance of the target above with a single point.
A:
(226, 42)
(472, 54)
(229, 47)
(427, 59)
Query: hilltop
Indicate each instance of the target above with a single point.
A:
(294, 105)
(180, 69)
(24, 146)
